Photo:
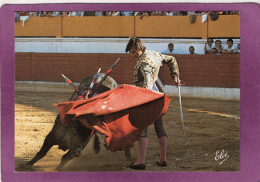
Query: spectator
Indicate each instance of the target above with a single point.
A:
(234, 13)
(237, 50)
(214, 51)
(89, 13)
(55, 13)
(23, 13)
(204, 16)
(218, 46)
(99, 13)
(80, 13)
(192, 50)
(193, 16)
(115, 13)
(64, 13)
(32, 13)
(208, 45)
(127, 13)
(168, 13)
(191, 13)
(17, 16)
(72, 13)
(112, 13)
(214, 15)
(24, 16)
(224, 12)
(183, 13)
(156, 13)
(108, 13)
(199, 12)
(37, 13)
(176, 13)
(49, 13)
(44, 14)
(142, 14)
(229, 48)
(170, 49)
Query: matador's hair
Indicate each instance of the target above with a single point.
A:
(136, 43)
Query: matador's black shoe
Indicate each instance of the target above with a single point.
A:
(162, 164)
(137, 166)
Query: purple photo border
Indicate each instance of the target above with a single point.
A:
(249, 80)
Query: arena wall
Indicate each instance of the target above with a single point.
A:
(196, 70)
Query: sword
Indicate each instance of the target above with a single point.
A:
(179, 90)
(183, 128)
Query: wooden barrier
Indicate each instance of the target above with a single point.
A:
(196, 70)
(92, 26)
(168, 26)
(227, 26)
(39, 27)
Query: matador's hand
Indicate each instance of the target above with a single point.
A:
(177, 82)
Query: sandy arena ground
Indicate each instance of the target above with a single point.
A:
(211, 125)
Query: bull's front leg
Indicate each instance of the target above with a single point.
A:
(48, 143)
(68, 156)
(72, 153)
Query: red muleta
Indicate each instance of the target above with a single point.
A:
(120, 114)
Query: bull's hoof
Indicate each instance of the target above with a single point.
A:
(30, 163)
(59, 168)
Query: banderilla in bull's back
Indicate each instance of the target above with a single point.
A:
(107, 73)
(92, 83)
(69, 82)
(92, 86)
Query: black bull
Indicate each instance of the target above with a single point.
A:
(75, 136)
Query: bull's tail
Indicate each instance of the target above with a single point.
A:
(96, 144)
